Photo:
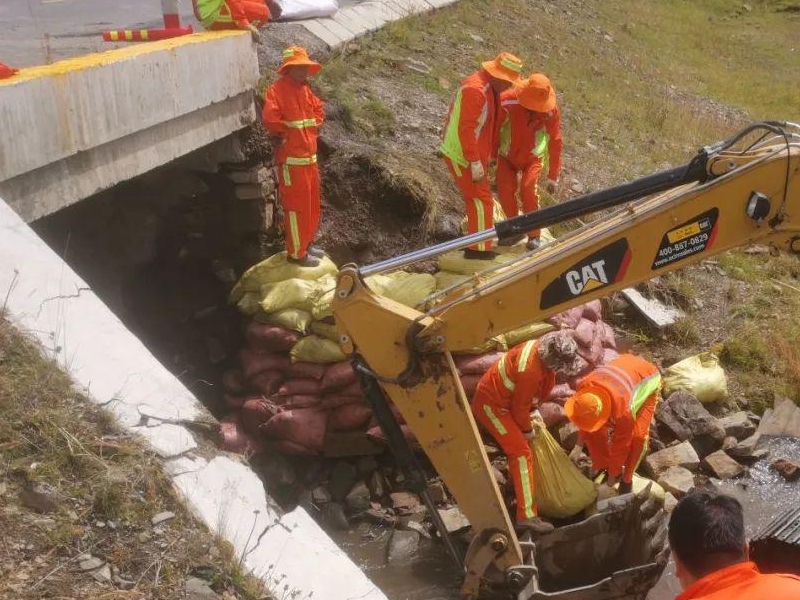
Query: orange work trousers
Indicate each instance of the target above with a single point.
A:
(298, 191)
(478, 201)
(506, 432)
(518, 184)
(255, 11)
(600, 443)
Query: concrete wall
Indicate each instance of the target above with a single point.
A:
(82, 125)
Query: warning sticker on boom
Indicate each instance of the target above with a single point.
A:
(687, 239)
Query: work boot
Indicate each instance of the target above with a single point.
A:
(316, 251)
(533, 243)
(306, 261)
(535, 525)
(479, 254)
(510, 241)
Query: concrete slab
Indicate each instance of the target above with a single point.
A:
(370, 14)
(332, 40)
(167, 440)
(352, 23)
(337, 29)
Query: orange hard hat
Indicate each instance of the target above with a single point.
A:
(6, 71)
(588, 411)
(505, 66)
(536, 93)
(296, 56)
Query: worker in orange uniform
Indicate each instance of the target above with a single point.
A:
(529, 139)
(502, 404)
(292, 116)
(613, 408)
(236, 14)
(707, 538)
(470, 143)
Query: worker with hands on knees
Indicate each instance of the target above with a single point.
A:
(613, 408)
(707, 538)
(236, 14)
(503, 401)
(529, 140)
(470, 144)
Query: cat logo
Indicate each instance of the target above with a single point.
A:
(587, 278)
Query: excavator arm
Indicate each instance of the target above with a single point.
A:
(738, 192)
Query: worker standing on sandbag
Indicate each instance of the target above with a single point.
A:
(292, 116)
(236, 14)
(613, 407)
(529, 139)
(503, 401)
(470, 142)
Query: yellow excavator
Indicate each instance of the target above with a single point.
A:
(732, 193)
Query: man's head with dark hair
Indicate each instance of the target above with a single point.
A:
(706, 533)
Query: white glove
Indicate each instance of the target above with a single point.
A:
(551, 185)
(529, 435)
(478, 172)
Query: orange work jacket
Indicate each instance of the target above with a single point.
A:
(469, 132)
(517, 383)
(293, 112)
(742, 581)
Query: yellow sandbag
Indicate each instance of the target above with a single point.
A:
(700, 375)
(295, 319)
(325, 330)
(446, 279)
(294, 293)
(249, 303)
(316, 349)
(497, 214)
(494, 344)
(527, 332)
(322, 305)
(456, 263)
(276, 268)
(409, 288)
(561, 490)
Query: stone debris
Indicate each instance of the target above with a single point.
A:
(454, 520)
(404, 500)
(686, 419)
(677, 481)
(197, 589)
(679, 455)
(722, 466)
(783, 420)
(437, 492)
(103, 574)
(420, 528)
(787, 469)
(402, 545)
(90, 563)
(357, 499)
(320, 496)
(378, 485)
(738, 425)
(162, 517)
(39, 498)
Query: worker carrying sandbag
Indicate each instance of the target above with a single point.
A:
(236, 14)
(470, 142)
(613, 407)
(529, 139)
(292, 116)
(503, 401)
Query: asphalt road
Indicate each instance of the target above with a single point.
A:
(36, 32)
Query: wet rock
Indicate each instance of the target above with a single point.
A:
(787, 469)
(722, 466)
(197, 589)
(420, 529)
(402, 546)
(343, 478)
(335, 517)
(39, 498)
(679, 455)
(404, 501)
(378, 485)
(437, 492)
(454, 520)
(677, 480)
(738, 425)
(357, 499)
(380, 517)
(746, 450)
(162, 517)
(367, 465)
(783, 420)
(320, 496)
(686, 419)
(404, 521)
(90, 563)
(568, 435)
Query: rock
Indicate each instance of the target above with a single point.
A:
(783, 420)
(745, 451)
(40, 498)
(670, 502)
(420, 529)
(91, 563)
(685, 418)
(320, 495)
(608, 38)
(577, 187)
(367, 465)
(402, 545)
(729, 443)
(357, 499)
(677, 480)
(437, 492)
(248, 191)
(476, 38)
(568, 435)
(787, 469)
(404, 521)
(738, 425)
(334, 515)
(722, 466)
(404, 500)
(103, 574)
(378, 485)
(343, 478)
(197, 589)
(380, 517)
(454, 520)
(122, 583)
(143, 537)
(679, 455)
(417, 66)
(278, 471)
(499, 477)
(162, 517)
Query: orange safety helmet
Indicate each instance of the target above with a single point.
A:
(588, 411)
(536, 93)
(505, 66)
(296, 56)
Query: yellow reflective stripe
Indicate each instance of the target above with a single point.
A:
(525, 483)
(295, 232)
(643, 391)
(501, 368)
(114, 35)
(301, 123)
(287, 178)
(509, 64)
(525, 355)
(288, 53)
(144, 34)
(481, 220)
(498, 425)
(301, 160)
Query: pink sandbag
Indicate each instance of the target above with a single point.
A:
(552, 413)
(593, 310)
(477, 364)
(266, 382)
(233, 381)
(235, 439)
(294, 387)
(233, 401)
(376, 434)
(268, 338)
(254, 363)
(583, 368)
(470, 384)
(584, 333)
(338, 376)
(609, 354)
(257, 411)
(609, 337)
(594, 353)
(298, 401)
(334, 401)
(354, 389)
(349, 417)
(305, 426)
(562, 390)
(293, 448)
(568, 319)
(306, 370)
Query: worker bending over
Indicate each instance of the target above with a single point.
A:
(503, 401)
(529, 138)
(292, 116)
(613, 408)
(470, 143)
(707, 538)
(236, 14)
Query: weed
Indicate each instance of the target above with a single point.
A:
(684, 332)
(740, 266)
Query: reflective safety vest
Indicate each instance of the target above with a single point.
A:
(627, 380)
(469, 131)
(293, 112)
(209, 12)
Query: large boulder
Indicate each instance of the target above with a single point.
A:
(722, 466)
(679, 455)
(684, 418)
(677, 481)
(738, 425)
(783, 420)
